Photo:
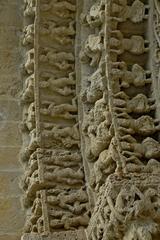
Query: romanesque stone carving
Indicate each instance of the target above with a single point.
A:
(92, 50)
(28, 35)
(95, 88)
(28, 93)
(29, 9)
(137, 76)
(135, 44)
(91, 132)
(56, 7)
(137, 12)
(67, 111)
(64, 86)
(55, 195)
(61, 34)
(29, 65)
(138, 104)
(95, 17)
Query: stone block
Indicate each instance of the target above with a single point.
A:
(11, 85)
(10, 134)
(9, 183)
(9, 157)
(10, 110)
(11, 215)
(9, 36)
(10, 237)
(10, 14)
(10, 61)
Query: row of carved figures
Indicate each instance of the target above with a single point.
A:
(123, 105)
(29, 122)
(119, 124)
(54, 179)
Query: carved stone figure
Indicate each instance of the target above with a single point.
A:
(95, 17)
(67, 175)
(29, 7)
(29, 65)
(28, 35)
(105, 165)
(91, 162)
(144, 125)
(135, 44)
(61, 34)
(61, 60)
(59, 5)
(52, 56)
(136, 13)
(137, 76)
(30, 117)
(92, 50)
(95, 89)
(138, 104)
(28, 93)
(65, 110)
(66, 131)
(149, 148)
(99, 138)
(63, 86)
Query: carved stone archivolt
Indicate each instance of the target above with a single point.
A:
(90, 119)
(55, 194)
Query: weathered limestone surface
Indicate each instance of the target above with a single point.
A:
(79, 107)
(11, 211)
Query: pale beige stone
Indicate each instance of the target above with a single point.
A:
(11, 217)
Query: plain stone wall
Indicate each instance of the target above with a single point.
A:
(11, 213)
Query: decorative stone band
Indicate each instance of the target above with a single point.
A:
(55, 194)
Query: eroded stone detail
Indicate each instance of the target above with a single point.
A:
(119, 120)
(127, 209)
(98, 137)
(55, 193)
